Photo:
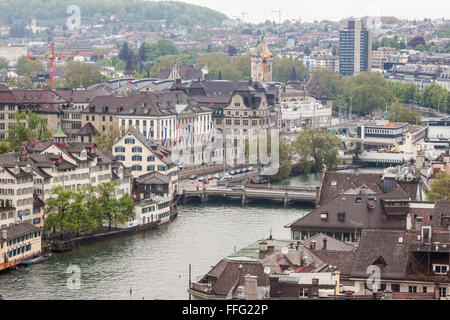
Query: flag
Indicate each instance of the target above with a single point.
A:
(21, 217)
(189, 134)
(304, 77)
(165, 137)
(119, 84)
(211, 128)
(149, 133)
(176, 141)
(199, 130)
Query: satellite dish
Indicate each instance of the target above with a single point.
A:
(266, 270)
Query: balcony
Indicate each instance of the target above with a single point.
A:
(202, 287)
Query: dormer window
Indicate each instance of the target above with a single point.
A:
(333, 183)
(324, 216)
(440, 268)
(358, 200)
(341, 216)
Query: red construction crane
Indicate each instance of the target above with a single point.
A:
(52, 57)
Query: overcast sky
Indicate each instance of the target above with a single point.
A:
(309, 10)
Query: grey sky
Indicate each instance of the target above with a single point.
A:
(309, 10)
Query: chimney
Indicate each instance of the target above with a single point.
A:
(315, 288)
(337, 275)
(324, 244)
(178, 83)
(312, 245)
(263, 246)
(295, 257)
(250, 82)
(251, 286)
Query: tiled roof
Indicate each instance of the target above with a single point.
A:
(154, 178)
(382, 245)
(358, 214)
(343, 260)
(18, 230)
(87, 130)
(48, 100)
(162, 153)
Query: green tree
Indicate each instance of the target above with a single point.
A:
(5, 147)
(332, 81)
(369, 92)
(111, 207)
(106, 139)
(58, 211)
(159, 49)
(4, 64)
(440, 188)
(316, 148)
(404, 92)
(77, 74)
(124, 52)
(401, 113)
(20, 82)
(282, 68)
(25, 66)
(28, 126)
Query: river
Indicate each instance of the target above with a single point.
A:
(155, 264)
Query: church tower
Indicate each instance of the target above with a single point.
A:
(262, 61)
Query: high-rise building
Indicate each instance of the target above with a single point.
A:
(355, 47)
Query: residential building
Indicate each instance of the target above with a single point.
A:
(355, 47)
(381, 56)
(17, 243)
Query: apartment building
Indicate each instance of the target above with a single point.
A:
(18, 242)
(381, 56)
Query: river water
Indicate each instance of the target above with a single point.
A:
(155, 264)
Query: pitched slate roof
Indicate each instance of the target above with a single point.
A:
(154, 178)
(343, 260)
(358, 214)
(87, 130)
(18, 230)
(6, 95)
(48, 100)
(385, 244)
(317, 90)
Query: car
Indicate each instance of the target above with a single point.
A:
(211, 178)
(246, 170)
(193, 177)
(240, 171)
(201, 179)
(227, 177)
(238, 188)
(251, 169)
(232, 173)
(217, 177)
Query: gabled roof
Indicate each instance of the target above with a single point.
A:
(358, 214)
(382, 243)
(317, 90)
(154, 178)
(87, 130)
(162, 153)
(18, 230)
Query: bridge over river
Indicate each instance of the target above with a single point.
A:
(265, 192)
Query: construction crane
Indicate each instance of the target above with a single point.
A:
(52, 58)
(279, 15)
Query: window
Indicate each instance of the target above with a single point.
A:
(395, 287)
(150, 168)
(442, 292)
(440, 268)
(412, 289)
(424, 289)
(303, 292)
(358, 200)
(136, 158)
(341, 216)
(324, 215)
(150, 158)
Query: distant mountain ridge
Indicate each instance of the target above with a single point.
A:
(54, 12)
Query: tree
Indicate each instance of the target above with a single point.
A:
(124, 52)
(404, 92)
(369, 92)
(5, 147)
(4, 63)
(27, 127)
(25, 66)
(400, 113)
(315, 148)
(58, 211)
(282, 68)
(20, 82)
(332, 81)
(440, 188)
(159, 49)
(106, 139)
(79, 74)
(111, 208)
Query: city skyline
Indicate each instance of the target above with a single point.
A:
(309, 10)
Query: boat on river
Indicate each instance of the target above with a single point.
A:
(37, 260)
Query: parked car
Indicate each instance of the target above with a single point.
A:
(193, 177)
(251, 169)
(201, 179)
(217, 177)
(240, 171)
(232, 173)
(211, 178)
(246, 170)
(227, 177)
(238, 188)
